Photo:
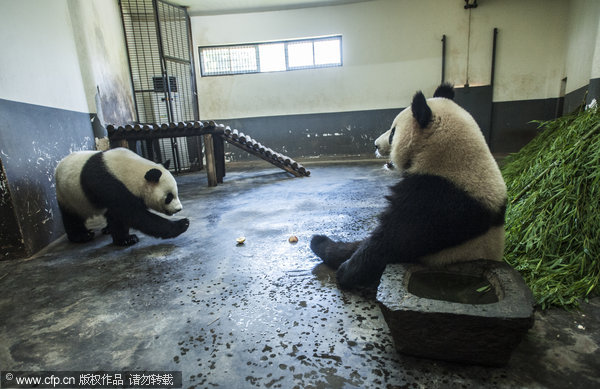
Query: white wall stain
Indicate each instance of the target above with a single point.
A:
(4, 197)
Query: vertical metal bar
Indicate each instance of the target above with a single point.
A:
(560, 102)
(443, 58)
(163, 63)
(494, 43)
(137, 113)
(143, 50)
(196, 104)
(468, 49)
(257, 54)
(287, 60)
(166, 84)
(341, 52)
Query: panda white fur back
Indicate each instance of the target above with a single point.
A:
(448, 206)
(68, 185)
(120, 185)
(451, 146)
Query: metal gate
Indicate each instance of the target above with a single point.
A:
(158, 39)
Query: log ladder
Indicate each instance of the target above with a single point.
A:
(214, 136)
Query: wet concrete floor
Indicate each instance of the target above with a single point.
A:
(264, 314)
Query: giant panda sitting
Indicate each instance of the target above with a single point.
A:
(120, 185)
(448, 206)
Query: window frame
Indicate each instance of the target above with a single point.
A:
(256, 45)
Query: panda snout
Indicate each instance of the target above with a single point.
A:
(173, 211)
(172, 208)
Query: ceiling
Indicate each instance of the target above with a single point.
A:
(220, 7)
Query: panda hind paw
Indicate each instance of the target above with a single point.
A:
(81, 237)
(319, 244)
(130, 240)
(349, 276)
(331, 253)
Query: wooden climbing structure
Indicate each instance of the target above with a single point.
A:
(254, 147)
(214, 135)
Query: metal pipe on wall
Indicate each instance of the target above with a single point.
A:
(443, 58)
(492, 75)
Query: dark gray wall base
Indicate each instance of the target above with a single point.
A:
(310, 135)
(478, 102)
(11, 244)
(512, 126)
(506, 126)
(594, 90)
(583, 95)
(33, 139)
(575, 99)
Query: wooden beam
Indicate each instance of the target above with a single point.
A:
(211, 170)
(276, 162)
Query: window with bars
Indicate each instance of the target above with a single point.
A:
(278, 56)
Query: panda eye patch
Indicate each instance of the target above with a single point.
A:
(169, 198)
(392, 135)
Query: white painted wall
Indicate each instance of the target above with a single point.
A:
(391, 48)
(100, 42)
(59, 53)
(531, 46)
(583, 53)
(39, 64)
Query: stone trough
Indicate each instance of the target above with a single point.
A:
(474, 312)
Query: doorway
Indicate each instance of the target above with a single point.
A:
(159, 48)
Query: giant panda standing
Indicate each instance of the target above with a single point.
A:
(448, 206)
(120, 185)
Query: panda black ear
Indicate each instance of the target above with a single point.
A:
(420, 110)
(445, 90)
(153, 175)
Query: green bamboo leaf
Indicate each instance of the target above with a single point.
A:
(552, 219)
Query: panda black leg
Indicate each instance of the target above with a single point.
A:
(157, 226)
(75, 227)
(364, 268)
(332, 253)
(119, 231)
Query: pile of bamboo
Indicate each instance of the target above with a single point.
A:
(552, 219)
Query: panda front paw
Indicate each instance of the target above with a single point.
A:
(130, 240)
(178, 228)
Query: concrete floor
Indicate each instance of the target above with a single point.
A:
(265, 314)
